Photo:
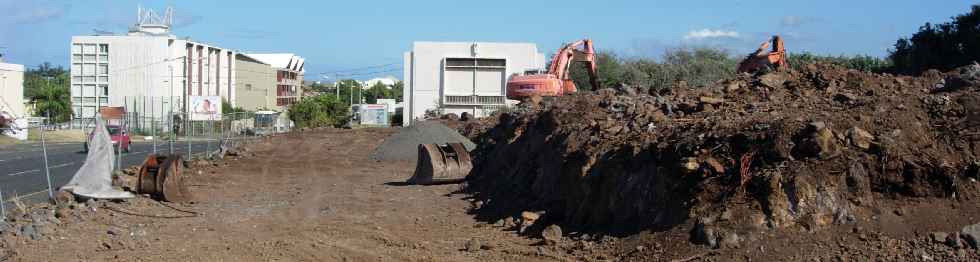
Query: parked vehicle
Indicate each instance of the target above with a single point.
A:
(118, 135)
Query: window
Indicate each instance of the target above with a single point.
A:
(102, 69)
(76, 58)
(88, 69)
(76, 49)
(104, 90)
(88, 49)
(76, 79)
(88, 79)
(76, 69)
(491, 62)
(103, 100)
(103, 48)
(89, 58)
(103, 58)
(103, 79)
(76, 90)
(76, 100)
(460, 62)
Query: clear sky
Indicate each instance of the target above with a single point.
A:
(339, 35)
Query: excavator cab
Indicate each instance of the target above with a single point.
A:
(556, 81)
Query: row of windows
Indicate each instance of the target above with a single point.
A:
(89, 69)
(90, 48)
(89, 79)
(88, 100)
(286, 101)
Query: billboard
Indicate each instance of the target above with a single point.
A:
(375, 115)
(205, 108)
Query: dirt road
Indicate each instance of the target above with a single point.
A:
(315, 197)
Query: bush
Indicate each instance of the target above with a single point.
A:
(319, 111)
(944, 46)
(859, 62)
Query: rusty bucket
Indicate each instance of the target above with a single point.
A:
(160, 177)
(441, 164)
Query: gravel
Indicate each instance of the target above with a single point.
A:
(404, 144)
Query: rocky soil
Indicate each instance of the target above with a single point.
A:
(824, 162)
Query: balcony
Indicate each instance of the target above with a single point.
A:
(473, 100)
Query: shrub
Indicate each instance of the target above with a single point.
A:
(319, 111)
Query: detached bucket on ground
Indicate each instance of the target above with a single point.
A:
(441, 164)
(160, 177)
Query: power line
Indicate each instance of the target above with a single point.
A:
(358, 69)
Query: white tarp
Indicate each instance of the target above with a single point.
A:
(17, 128)
(94, 179)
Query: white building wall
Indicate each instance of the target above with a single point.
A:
(139, 69)
(425, 74)
(12, 89)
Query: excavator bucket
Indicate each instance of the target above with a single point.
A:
(160, 177)
(441, 164)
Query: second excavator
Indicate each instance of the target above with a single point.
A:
(556, 81)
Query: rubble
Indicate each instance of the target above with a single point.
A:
(811, 148)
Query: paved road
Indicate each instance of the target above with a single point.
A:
(22, 166)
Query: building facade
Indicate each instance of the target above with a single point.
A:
(289, 76)
(148, 70)
(458, 77)
(12, 89)
(256, 85)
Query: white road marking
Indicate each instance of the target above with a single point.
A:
(24, 172)
(62, 165)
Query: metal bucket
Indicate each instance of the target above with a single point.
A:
(160, 177)
(441, 164)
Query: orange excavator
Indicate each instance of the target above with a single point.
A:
(557, 81)
(775, 59)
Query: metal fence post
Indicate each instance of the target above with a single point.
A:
(153, 125)
(187, 134)
(3, 209)
(47, 170)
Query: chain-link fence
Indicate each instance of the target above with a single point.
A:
(135, 134)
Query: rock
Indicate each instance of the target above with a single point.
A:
(860, 138)
(466, 116)
(938, 237)
(115, 231)
(971, 234)
(29, 231)
(64, 197)
(711, 100)
(773, 80)
(551, 234)
(953, 240)
(62, 212)
(4, 226)
(704, 235)
(821, 142)
(733, 86)
(473, 245)
(715, 166)
(509, 222)
(730, 240)
(690, 165)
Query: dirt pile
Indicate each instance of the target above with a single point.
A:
(799, 149)
(404, 144)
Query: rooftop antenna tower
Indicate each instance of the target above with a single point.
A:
(150, 23)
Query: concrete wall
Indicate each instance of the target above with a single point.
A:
(12, 89)
(256, 86)
(425, 77)
(147, 67)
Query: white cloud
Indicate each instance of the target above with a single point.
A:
(708, 33)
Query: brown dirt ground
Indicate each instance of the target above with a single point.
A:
(309, 197)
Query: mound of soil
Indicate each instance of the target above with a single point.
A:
(798, 149)
(404, 145)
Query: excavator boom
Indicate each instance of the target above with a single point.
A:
(776, 58)
(557, 81)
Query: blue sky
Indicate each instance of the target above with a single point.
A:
(338, 35)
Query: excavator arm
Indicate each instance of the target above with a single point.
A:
(578, 51)
(776, 58)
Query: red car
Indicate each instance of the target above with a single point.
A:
(117, 134)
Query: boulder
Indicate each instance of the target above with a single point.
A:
(551, 234)
(860, 138)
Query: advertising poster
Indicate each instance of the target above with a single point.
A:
(205, 108)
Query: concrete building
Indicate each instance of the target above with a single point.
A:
(118, 70)
(289, 76)
(463, 77)
(12, 89)
(255, 84)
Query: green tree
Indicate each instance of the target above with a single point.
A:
(319, 111)
(609, 69)
(347, 87)
(226, 108)
(377, 91)
(943, 46)
(47, 87)
(398, 91)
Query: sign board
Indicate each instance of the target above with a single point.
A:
(205, 108)
(373, 114)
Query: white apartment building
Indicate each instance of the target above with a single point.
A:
(12, 89)
(143, 68)
(290, 69)
(457, 77)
